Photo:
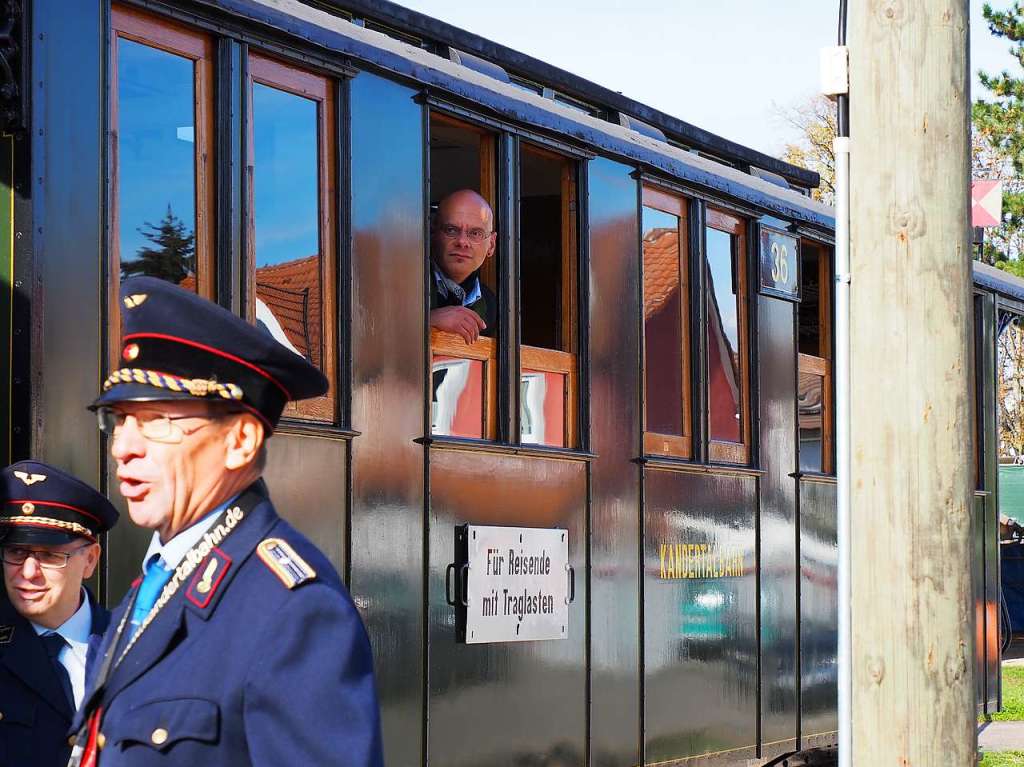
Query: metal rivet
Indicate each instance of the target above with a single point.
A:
(159, 736)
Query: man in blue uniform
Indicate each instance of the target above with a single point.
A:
(238, 645)
(49, 526)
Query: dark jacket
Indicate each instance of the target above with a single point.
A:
(243, 669)
(35, 712)
(486, 306)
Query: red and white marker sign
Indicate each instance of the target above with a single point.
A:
(986, 203)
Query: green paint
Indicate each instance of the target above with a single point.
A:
(1011, 492)
(6, 288)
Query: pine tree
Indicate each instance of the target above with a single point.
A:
(172, 256)
(999, 140)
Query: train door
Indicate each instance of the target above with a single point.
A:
(818, 556)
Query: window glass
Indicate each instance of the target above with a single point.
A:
(663, 323)
(810, 301)
(156, 157)
(814, 392)
(291, 230)
(811, 406)
(543, 319)
(548, 258)
(725, 364)
(287, 219)
(457, 408)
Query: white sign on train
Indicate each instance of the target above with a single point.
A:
(517, 587)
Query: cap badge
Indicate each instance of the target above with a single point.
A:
(131, 351)
(28, 507)
(30, 479)
(134, 300)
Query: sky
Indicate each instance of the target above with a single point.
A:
(727, 66)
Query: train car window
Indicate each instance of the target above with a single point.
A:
(814, 380)
(727, 338)
(548, 263)
(463, 276)
(666, 302)
(290, 284)
(162, 154)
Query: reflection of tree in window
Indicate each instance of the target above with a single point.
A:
(156, 147)
(288, 267)
(724, 382)
(170, 256)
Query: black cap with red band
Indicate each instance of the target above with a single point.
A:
(177, 345)
(40, 504)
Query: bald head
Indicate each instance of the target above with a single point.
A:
(466, 199)
(463, 234)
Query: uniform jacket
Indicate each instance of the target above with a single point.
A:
(243, 670)
(35, 713)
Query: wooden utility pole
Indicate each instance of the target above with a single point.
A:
(911, 441)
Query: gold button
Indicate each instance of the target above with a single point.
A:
(101, 739)
(1, 714)
(159, 736)
(72, 739)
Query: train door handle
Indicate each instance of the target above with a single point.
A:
(461, 585)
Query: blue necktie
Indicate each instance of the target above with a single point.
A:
(152, 584)
(54, 643)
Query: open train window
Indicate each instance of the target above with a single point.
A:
(666, 306)
(463, 279)
(291, 278)
(728, 392)
(548, 265)
(161, 153)
(814, 379)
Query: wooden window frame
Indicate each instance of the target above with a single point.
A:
(286, 77)
(822, 363)
(557, 360)
(485, 349)
(197, 46)
(721, 451)
(654, 443)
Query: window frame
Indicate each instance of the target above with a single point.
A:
(198, 46)
(723, 451)
(822, 364)
(486, 348)
(655, 443)
(299, 81)
(558, 361)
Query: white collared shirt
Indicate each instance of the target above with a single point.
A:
(172, 552)
(75, 631)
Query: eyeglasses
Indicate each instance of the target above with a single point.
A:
(153, 424)
(51, 560)
(475, 235)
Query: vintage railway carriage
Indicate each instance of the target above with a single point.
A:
(658, 383)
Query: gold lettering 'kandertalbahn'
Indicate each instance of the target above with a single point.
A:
(698, 560)
(85, 752)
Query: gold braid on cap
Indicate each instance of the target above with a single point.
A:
(33, 521)
(197, 387)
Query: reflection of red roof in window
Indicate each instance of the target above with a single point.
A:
(661, 268)
(291, 291)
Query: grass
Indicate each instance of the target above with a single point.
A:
(1013, 711)
(1013, 698)
(1002, 759)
